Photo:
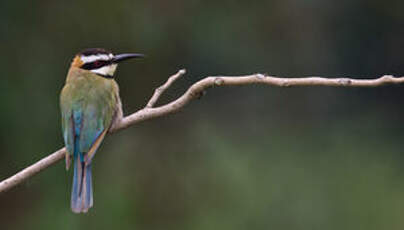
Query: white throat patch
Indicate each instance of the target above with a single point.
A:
(107, 70)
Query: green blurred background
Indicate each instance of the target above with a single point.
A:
(253, 157)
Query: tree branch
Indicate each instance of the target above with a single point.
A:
(195, 91)
(160, 90)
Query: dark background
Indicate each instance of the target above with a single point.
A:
(252, 157)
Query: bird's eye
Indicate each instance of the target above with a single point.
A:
(97, 64)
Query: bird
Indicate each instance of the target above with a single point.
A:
(90, 106)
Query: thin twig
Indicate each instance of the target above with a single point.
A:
(160, 90)
(194, 92)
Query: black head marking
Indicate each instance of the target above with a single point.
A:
(94, 51)
(94, 59)
(101, 61)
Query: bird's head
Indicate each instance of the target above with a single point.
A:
(100, 61)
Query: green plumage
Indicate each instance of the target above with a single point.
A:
(95, 99)
(89, 104)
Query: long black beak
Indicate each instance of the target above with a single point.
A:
(122, 57)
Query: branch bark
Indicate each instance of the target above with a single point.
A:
(195, 91)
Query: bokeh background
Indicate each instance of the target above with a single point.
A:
(252, 157)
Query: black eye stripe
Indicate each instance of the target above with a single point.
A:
(95, 64)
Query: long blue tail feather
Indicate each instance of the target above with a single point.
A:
(82, 191)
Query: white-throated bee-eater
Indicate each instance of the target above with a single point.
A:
(90, 106)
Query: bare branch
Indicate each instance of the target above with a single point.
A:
(32, 170)
(160, 90)
(150, 112)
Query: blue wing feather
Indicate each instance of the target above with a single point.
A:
(87, 128)
(87, 107)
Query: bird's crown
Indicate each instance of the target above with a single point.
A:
(100, 61)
